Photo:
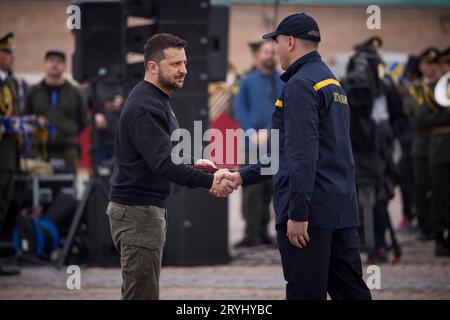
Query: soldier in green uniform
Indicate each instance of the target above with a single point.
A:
(440, 168)
(405, 167)
(423, 109)
(8, 140)
(8, 149)
(63, 105)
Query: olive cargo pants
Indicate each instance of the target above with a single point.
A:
(139, 233)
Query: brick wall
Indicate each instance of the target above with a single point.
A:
(41, 24)
(38, 26)
(402, 29)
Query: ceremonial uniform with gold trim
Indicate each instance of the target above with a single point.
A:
(439, 158)
(421, 139)
(421, 92)
(439, 155)
(8, 141)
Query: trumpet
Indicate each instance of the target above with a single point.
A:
(442, 91)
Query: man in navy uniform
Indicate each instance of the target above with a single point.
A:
(314, 188)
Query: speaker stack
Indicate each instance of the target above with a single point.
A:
(197, 222)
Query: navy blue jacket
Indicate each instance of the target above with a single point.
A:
(316, 177)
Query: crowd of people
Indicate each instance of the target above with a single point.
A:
(390, 115)
(404, 108)
(385, 109)
(43, 122)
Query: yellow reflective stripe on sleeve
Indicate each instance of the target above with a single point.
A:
(326, 82)
(279, 103)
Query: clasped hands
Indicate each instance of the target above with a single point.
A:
(225, 182)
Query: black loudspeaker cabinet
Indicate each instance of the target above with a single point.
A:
(197, 232)
(100, 42)
(89, 239)
(196, 35)
(169, 10)
(177, 10)
(197, 77)
(218, 42)
(100, 244)
(189, 107)
(135, 73)
(205, 29)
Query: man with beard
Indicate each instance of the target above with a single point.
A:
(63, 105)
(143, 168)
(253, 107)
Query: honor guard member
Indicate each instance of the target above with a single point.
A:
(376, 118)
(8, 140)
(9, 151)
(410, 75)
(421, 91)
(440, 163)
(63, 105)
(314, 188)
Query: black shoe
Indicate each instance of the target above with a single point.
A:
(407, 227)
(7, 249)
(268, 240)
(442, 250)
(377, 256)
(9, 270)
(425, 236)
(247, 243)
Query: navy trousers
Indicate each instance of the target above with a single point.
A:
(330, 263)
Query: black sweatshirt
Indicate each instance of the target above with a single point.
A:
(143, 169)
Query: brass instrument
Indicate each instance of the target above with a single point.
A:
(442, 91)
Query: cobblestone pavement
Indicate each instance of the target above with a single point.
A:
(253, 274)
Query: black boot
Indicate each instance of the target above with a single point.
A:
(266, 239)
(247, 243)
(9, 270)
(378, 255)
(7, 249)
(442, 247)
(425, 236)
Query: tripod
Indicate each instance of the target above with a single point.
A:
(99, 243)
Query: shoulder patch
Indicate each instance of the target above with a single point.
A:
(325, 83)
(340, 98)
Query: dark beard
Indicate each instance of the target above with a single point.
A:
(166, 83)
(269, 65)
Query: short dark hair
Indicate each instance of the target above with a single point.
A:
(154, 47)
(255, 46)
(55, 53)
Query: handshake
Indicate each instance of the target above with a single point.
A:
(225, 182)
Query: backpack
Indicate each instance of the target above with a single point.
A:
(360, 84)
(35, 237)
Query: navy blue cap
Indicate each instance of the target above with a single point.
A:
(298, 25)
(55, 53)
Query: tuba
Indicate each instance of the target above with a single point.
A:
(442, 91)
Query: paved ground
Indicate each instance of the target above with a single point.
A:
(252, 274)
